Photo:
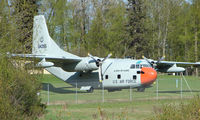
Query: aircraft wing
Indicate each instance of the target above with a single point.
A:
(55, 59)
(180, 63)
(163, 66)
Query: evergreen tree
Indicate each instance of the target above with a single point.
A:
(107, 30)
(24, 12)
(116, 29)
(136, 28)
(97, 34)
(195, 8)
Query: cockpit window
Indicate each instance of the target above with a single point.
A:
(141, 66)
(146, 65)
(137, 66)
(132, 66)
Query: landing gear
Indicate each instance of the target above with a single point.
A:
(110, 90)
(90, 90)
(113, 90)
(141, 89)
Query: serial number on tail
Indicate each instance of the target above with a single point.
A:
(42, 46)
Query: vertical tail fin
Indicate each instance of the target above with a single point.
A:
(43, 43)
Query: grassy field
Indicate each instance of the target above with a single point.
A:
(66, 104)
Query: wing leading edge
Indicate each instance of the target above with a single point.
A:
(167, 66)
(56, 59)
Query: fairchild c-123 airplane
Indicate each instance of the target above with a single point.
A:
(92, 72)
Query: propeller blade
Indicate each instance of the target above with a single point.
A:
(92, 57)
(107, 57)
(161, 59)
(100, 73)
(148, 61)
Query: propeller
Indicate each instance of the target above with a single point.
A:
(162, 58)
(99, 64)
(152, 62)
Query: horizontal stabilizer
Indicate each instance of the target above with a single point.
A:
(59, 73)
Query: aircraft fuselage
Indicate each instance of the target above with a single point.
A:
(117, 74)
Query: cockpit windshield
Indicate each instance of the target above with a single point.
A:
(145, 65)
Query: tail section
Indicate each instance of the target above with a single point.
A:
(60, 73)
(43, 43)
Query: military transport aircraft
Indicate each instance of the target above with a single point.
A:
(92, 72)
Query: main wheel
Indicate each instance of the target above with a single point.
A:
(90, 90)
(141, 89)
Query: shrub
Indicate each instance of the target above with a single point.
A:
(187, 111)
(18, 93)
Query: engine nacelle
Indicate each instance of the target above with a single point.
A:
(44, 64)
(175, 69)
(86, 64)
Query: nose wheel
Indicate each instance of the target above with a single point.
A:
(90, 90)
(141, 89)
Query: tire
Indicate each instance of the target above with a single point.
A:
(113, 90)
(141, 89)
(110, 90)
(90, 90)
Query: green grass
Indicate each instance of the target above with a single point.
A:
(117, 104)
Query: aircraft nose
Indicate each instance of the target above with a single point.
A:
(148, 76)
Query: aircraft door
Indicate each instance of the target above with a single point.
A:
(107, 80)
(135, 75)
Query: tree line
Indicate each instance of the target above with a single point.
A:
(153, 28)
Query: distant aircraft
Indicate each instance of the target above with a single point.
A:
(92, 72)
